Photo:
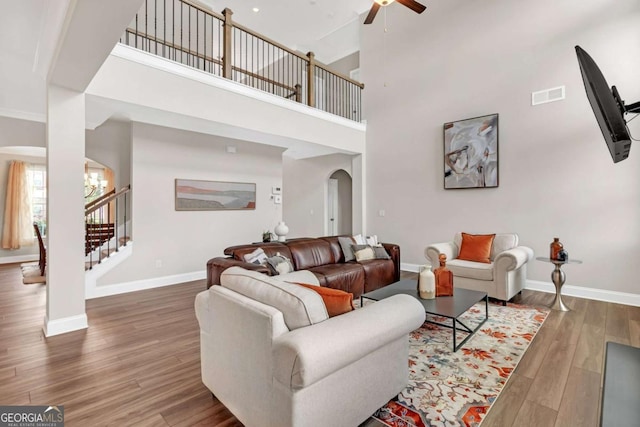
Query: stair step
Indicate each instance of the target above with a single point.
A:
(106, 253)
(88, 265)
(124, 240)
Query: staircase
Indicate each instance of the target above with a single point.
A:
(106, 226)
(97, 234)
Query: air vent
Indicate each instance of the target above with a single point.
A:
(547, 95)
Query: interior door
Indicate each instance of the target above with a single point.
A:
(332, 208)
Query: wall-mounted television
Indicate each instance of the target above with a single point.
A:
(608, 107)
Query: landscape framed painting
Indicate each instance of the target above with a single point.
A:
(471, 153)
(195, 195)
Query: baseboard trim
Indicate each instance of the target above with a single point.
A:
(64, 325)
(588, 293)
(569, 290)
(140, 285)
(413, 268)
(18, 258)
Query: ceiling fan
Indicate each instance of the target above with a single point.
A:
(411, 4)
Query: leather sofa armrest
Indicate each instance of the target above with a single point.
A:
(216, 266)
(394, 252)
(512, 259)
(307, 355)
(433, 251)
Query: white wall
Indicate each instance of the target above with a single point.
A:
(465, 59)
(16, 132)
(184, 241)
(305, 192)
(110, 145)
(346, 64)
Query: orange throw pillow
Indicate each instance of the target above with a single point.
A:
(337, 302)
(476, 247)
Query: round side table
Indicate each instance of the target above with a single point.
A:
(558, 277)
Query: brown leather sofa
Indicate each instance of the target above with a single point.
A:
(323, 257)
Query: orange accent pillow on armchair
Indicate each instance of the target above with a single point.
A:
(337, 301)
(476, 247)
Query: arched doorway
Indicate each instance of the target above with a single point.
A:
(339, 203)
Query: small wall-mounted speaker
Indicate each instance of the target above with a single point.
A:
(548, 95)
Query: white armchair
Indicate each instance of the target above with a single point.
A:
(502, 279)
(272, 356)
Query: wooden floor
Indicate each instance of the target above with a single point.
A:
(139, 362)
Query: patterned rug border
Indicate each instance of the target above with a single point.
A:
(409, 416)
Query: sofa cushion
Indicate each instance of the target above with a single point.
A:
(378, 273)
(333, 241)
(348, 277)
(308, 253)
(337, 302)
(299, 306)
(476, 247)
(470, 269)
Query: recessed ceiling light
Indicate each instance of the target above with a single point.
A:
(256, 10)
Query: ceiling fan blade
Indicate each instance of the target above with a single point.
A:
(413, 5)
(372, 13)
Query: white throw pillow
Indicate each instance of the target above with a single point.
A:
(363, 253)
(359, 239)
(256, 257)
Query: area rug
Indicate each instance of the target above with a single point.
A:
(457, 389)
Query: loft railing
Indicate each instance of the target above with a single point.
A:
(106, 224)
(186, 33)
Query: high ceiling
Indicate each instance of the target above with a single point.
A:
(329, 28)
(29, 30)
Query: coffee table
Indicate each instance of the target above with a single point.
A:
(450, 307)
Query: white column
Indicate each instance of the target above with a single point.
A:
(65, 211)
(359, 194)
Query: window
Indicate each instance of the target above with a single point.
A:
(37, 179)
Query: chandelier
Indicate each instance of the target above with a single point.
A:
(93, 186)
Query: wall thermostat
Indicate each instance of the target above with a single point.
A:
(276, 189)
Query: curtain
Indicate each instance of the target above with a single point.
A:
(111, 184)
(18, 225)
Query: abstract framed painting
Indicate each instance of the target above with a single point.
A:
(195, 195)
(471, 153)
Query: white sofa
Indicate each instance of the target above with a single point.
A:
(272, 356)
(502, 279)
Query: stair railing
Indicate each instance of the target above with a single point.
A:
(103, 218)
(184, 32)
